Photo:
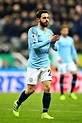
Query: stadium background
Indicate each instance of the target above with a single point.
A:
(16, 17)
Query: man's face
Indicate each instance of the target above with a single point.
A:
(44, 19)
(64, 32)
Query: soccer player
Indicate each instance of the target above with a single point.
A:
(40, 39)
(67, 60)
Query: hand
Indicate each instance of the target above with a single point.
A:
(77, 63)
(54, 38)
(60, 60)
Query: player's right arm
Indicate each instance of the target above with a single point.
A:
(33, 36)
(58, 57)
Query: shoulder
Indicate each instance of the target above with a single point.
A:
(33, 29)
(49, 31)
(70, 38)
(60, 39)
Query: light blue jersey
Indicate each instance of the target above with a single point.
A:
(39, 43)
(66, 50)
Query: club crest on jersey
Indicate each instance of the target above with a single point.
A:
(33, 36)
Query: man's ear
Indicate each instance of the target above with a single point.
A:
(38, 19)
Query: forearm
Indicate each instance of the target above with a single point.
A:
(74, 53)
(54, 46)
(37, 45)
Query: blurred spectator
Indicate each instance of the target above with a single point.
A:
(78, 8)
(56, 27)
(77, 43)
(24, 16)
(28, 5)
(31, 16)
(47, 4)
(39, 6)
(16, 2)
(16, 45)
(24, 44)
(75, 25)
(8, 27)
(5, 46)
(17, 27)
(2, 11)
(80, 28)
(16, 8)
(8, 7)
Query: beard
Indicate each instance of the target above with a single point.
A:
(45, 24)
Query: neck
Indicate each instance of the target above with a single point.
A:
(64, 36)
(42, 28)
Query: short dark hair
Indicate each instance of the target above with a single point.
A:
(38, 14)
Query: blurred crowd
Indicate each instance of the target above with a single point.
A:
(17, 16)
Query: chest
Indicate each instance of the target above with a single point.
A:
(43, 36)
(65, 43)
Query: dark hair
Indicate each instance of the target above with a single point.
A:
(38, 14)
(64, 26)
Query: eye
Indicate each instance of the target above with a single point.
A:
(45, 17)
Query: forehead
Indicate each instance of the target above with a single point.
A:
(65, 29)
(44, 15)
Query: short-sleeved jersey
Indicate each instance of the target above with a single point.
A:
(39, 44)
(66, 49)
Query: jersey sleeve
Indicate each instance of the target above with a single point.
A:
(33, 36)
(54, 46)
(73, 51)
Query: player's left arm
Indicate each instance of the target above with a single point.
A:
(54, 46)
(74, 53)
